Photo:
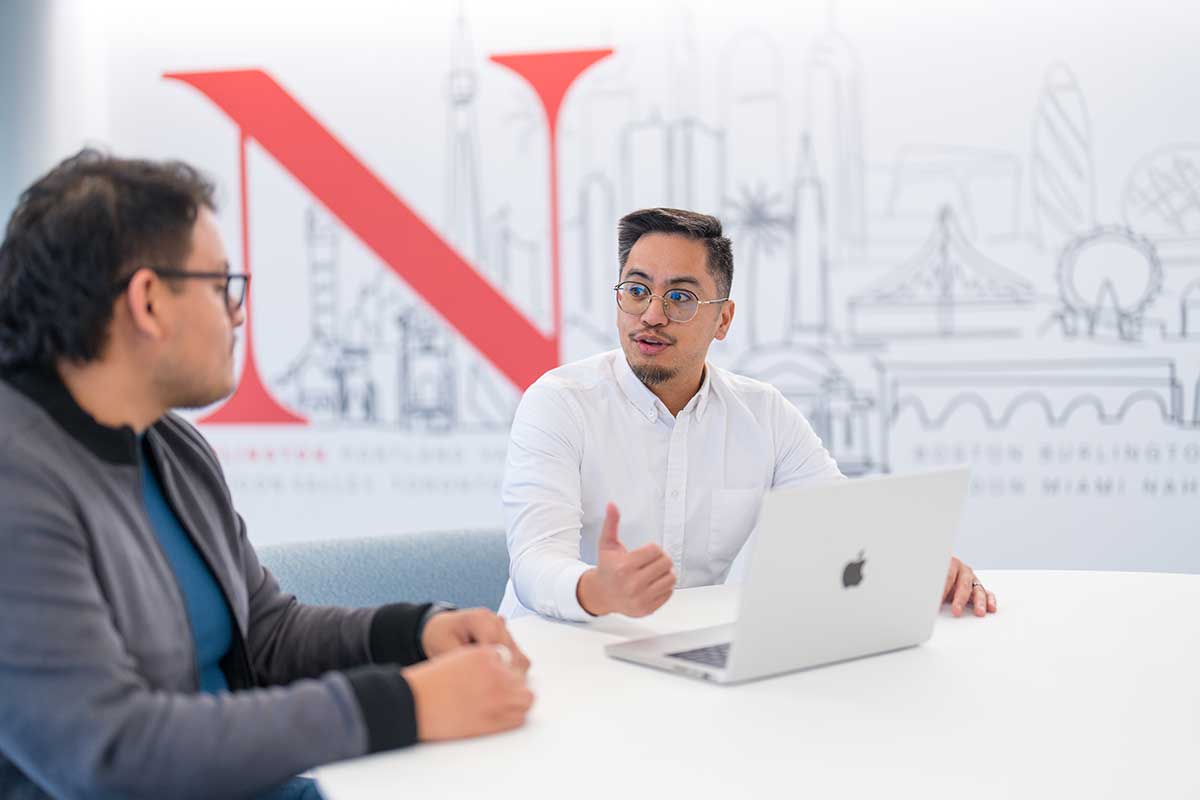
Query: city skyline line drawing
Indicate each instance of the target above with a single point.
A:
(787, 244)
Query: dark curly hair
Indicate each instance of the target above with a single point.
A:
(692, 224)
(75, 234)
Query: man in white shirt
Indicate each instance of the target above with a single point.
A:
(687, 449)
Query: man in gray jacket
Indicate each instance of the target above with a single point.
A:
(144, 652)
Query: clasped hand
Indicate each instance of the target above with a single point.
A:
(474, 680)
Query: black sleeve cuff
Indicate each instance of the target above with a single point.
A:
(395, 636)
(388, 709)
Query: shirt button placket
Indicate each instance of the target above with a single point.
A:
(674, 514)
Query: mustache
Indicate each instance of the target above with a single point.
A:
(653, 334)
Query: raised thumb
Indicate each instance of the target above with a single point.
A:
(608, 531)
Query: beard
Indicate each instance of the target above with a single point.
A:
(652, 374)
(188, 390)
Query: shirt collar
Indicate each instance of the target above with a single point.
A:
(646, 402)
(702, 395)
(46, 389)
(634, 390)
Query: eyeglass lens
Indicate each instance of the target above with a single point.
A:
(235, 291)
(678, 305)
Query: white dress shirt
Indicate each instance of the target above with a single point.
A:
(590, 432)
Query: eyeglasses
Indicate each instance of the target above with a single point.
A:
(235, 283)
(679, 305)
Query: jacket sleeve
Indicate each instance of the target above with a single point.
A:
(79, 718)
(287, 640)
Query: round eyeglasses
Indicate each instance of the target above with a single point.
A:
(679, 305)
(235, 283)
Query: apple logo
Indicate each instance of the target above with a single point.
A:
(852, 575)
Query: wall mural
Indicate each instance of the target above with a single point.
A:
(923, 304)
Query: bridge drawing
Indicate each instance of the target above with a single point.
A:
(934, 392)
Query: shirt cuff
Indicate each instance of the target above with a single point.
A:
(386, 702)
(395, 636)
(566, 597)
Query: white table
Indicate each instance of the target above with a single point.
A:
(1085, 685)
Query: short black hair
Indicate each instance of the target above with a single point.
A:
(692, 224)
(75, 234)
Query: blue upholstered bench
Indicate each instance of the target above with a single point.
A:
(467, 568)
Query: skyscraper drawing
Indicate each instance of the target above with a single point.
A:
(833, 119)
(464, 212)
(810, 302)
(697, 172)
(1061, 170)
(645, 159)
(752, 110)
(679, 163)
(321, 237)
(753, 120)
(597, 249)
(683, 62)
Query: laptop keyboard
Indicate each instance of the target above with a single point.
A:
(715, 655)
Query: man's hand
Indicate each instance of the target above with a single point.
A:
(449, 630)
(469, 691)
(634, 584)
(963, 587)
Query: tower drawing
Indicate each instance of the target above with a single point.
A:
(833, 119)
(678, 162)
(434, 392)
(752, 110)
(810, 302)
(1062, 173)
(645, 163)
(321, 236)
(426, 368)
(464, 213)
(597, 246)
(697, 165)
(756, 206)
(330, 378)
(683, 63)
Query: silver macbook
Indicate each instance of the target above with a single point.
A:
(837, 571)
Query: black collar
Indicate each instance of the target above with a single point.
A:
(45, 388)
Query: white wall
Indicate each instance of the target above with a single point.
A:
(1060, 137)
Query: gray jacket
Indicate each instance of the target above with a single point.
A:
(98, 678)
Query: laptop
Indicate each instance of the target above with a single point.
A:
(837, 571)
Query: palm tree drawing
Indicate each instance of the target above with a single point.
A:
(763, 227)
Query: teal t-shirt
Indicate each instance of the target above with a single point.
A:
(208, 613)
